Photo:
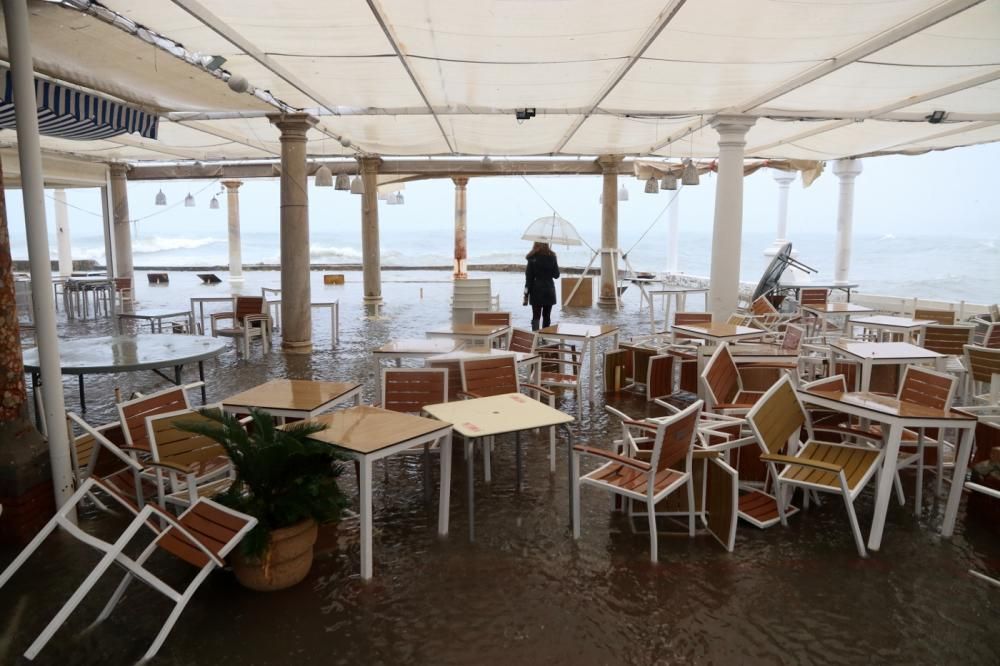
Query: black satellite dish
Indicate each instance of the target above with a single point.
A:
(771, 278)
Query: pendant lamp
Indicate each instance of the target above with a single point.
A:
(324, 177)
(652, 186)
(214, 204)
(669, 181)
(343, 182)
(357, 185)
(622, 193)
(189, 201)
(161, 198)
(690, 174)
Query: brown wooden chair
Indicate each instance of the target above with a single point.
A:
(991, 336)
(983, 364)
(248, 319)
(834, 467)
(813, 296)
(945, 317)
(649, 370)
(948, 339)
(409, 390)
(132, 415)
(493, 318)
(722, 383)
(124, 291)
(690, 318)
(522, 341)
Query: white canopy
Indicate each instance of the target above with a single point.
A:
(824, 79)
(553, 230)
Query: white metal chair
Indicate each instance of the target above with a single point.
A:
(248, 320)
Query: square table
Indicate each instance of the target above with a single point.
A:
(532, 361)
(827, 310)
(397, 350)
(480, 335)
(478, 418)
(906, 326)
(716, 333)
(155, 318)
(671, 293)
(870, 354)
(587, 335)
(293, 398)
(898, 415)
(367, 434)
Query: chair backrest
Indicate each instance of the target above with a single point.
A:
(946, 317)
(777, 416)
(793, 338)
(132, 413)
(995, 313)
(491, 318)
(693, 318)
(247, 305)
(947, 339)
(721, 378)
(813, 296)
(85, 448)
(921, 386)
(454, 368)
(637, 361)
(169, 443)
(991, 338)
(831, 383)
(763, 308)
(216, 527)
(982, 362)
(494, 375)
(736, 319)
(675, 438)
(123, 283)
(522, 341)
(410, 389)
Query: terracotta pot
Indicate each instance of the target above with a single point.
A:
(285, 563)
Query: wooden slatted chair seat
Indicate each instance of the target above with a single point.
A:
(856, 462)
(210, 526)
(629, 480)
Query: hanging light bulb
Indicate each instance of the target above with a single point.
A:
(669, 181)
(652, 186)
(357, 185)
(214, 204)
(690, 174)
(189, 201)
(324, 177)
(622, 193)
(161, 198)
(343, 182)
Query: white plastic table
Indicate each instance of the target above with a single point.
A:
(908, 327)
(155, 317)
(870, 354)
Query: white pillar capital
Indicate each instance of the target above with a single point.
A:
(732, 128)
(847, 169)
(783, 178)
(231, 185)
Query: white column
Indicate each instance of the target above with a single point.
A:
(784, 180)
(235, 248)
(122, 223)
(673, 233)
(846, 171)
(371, 257)
(62, 234)
(296, 292)
(461, 231)
(727, 232)
(609, 231)
(29, 153)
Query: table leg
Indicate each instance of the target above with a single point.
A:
(885, 479)
(470, 454)
(957, 481)
(34, 396)
(593, 362)
(866, 374)
(517, 458)
(201, 376)
(177, 375)
(444, 499)
(365, 509)
(569, 464)
(83, 401)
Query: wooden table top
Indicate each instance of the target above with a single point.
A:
(461, 354)
(885, 350)
(291, 394)
(888, 405)
(496, 415)
(719, 330)
(419, 346)
(886, 320)
(578, 330)
(484, 330)
(367, 429)
(837, 308)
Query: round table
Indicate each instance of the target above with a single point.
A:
(129, 353)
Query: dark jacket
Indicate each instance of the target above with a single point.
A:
(539, 274)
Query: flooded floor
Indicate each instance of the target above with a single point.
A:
(524, 592)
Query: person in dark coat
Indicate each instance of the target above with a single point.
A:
(539, 284)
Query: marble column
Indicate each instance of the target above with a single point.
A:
(609, 231)
(784, 180)
(296, 295)
(122, 223)
(847, 171)
(371, 259)
(235, 248)
(727, 231)
(461, 245)
(62, 234)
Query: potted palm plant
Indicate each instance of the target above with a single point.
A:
(284, 479)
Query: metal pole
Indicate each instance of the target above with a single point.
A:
(109, 251)
(33, 192)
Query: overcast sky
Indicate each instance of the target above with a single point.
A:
(945, 193)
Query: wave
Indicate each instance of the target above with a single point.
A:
(156, 244)
(887, 237)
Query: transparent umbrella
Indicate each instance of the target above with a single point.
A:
(553, 230)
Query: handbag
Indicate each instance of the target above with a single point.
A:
(525, 300)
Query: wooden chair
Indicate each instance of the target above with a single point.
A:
(669, 468)
(248, 319)
(202, 536)
(649, 370)
(497, 375)
(790, 342)
(722, 383)
(124, 291)
(493, 318)
(100, 454)
(522, 341)
(991, 336)
(813, 296)
(983, 364)
(945, 317)
(947, 338)
(777, 420)
(690, 318)
(561, 368)
(409, 390)
(995, 494)
(132, 416)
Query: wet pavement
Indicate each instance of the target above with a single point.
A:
(524, 591)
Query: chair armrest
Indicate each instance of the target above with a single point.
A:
(701, 454)
(642, 425)
(983, 489)
(215, 317)
(802, 462)
(608, 455)
(537, 388)
(170, 467)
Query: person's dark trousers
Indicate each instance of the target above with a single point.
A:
(543, 312)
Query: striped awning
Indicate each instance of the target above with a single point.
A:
(68, 113)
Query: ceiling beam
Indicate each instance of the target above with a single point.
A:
(662, 19)
(379, 15)
(908, 28)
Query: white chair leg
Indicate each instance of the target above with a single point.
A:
(779, 500)
(27, 552)
(691, 512)
(122, 586)
(898, 484)
(576, 495)
(939, 466)
(651, 513)
(176, 613)
(552, 450)
(919, 491)
(858, 540)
